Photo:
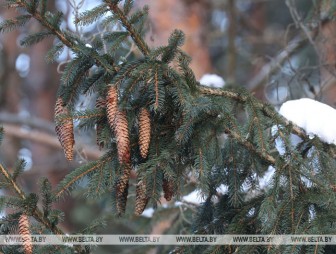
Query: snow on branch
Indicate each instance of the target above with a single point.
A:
(314, 117)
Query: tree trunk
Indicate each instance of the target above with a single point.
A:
(327, 49)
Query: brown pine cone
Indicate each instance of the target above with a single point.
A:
(144, 132)
(112, 105)
(122, 200)
(24, 231)
(141, 198)
(168, 189)
(123, 142)
(122, 182)
(64, 130)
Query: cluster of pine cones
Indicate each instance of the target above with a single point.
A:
(118, 123)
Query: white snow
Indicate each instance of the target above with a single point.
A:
(148, 212)
(194, 197)
(266, 179)
(314, 117)
(212, 80)
(279, 143)
(222, 189)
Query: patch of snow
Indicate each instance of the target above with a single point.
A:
(314, 117)
(222, 189)
(279, 143)
(265, 180)
(212, 80)
(148, 212)
(194, 197)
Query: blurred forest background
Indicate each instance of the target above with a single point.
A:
(277, 49)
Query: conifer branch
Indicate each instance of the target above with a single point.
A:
(67, 183)
(12, 182)
(39, 17)
(142, 45)
(109, 67)
(145, 50)
(37, 214)
(267, 111)
(156, 90)
(263, 155)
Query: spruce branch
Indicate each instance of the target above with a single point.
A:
(267, 110)
(37, 214)
(109, 67)
(142, 45)
(146, 51)
(206, 90)
(248, 145)
(78, 174)
(10, 180)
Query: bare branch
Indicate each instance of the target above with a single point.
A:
(268, 69)
(31, 121)
(46, 139)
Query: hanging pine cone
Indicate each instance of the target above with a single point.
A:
(122, 182)
(64, 130)
(123, 143)
(144, 132)
(121, 200)
(24, 232)
(168, 189)
(100, 104)
(141, 198)
(112, 105)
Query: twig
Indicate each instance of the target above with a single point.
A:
(262, 154)
(270, 68)
(13, 184)
(31, 121)
(264, 108)
(135, 36)
(38, 215)
(59, 193)
(46, 139)
(109, 67)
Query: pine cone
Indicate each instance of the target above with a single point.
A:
(112, 105)
(168, 189)
(122, 200)
(122, 182)
(64, 130)
(123, 143)
(141, 198)
(24, 232)
(100, 104)
(144, 132)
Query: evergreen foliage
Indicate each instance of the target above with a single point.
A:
(193, 130)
